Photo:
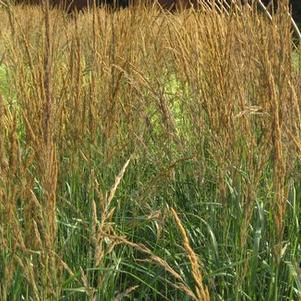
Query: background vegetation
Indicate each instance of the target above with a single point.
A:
(149, 156)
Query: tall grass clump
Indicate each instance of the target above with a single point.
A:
(149, 156)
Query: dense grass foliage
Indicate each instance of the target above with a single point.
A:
(149, 156)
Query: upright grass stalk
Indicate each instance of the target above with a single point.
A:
(202, 292)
